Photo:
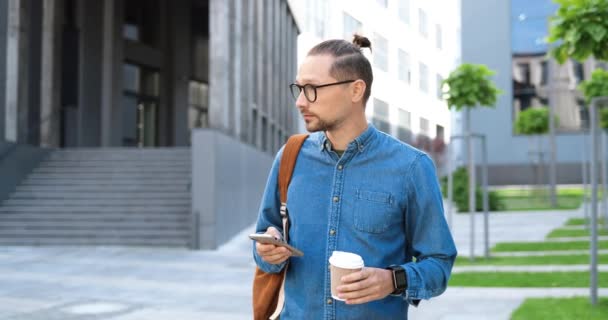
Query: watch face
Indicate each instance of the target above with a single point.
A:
(400, 279)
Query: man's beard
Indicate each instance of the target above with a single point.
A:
(321, 125)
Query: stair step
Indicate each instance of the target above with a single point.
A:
(94, 202)
(81, 209)
(95, 233)
(113, 170)
(113, 176)
(108, 195)
(125, 217)
(104, 188)
(87, 241)
(33, 181)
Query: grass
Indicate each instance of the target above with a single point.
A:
(561, 309)
(533, 260)
(516, 199)
(562, 233)
(527, 279)
(546, 246)
(581, 221)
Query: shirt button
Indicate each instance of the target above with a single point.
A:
(329, 301)
(332, 232)
(336, 199)
(340, 167)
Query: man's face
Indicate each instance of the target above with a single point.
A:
(333, 104)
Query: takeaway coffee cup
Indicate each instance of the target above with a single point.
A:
(340, 264)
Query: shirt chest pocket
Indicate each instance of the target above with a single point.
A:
(374, 211)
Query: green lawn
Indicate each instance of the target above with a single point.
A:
(523, 261)
(527, 279)
(534, 199)
(561, 309)
(561, 233)
(546, 246)
(580, 221)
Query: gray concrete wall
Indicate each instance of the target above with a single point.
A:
(228, 179)
(486, 39)
(16, 162)
(3, 37)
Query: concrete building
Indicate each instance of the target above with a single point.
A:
(415, 45)
(508, 37)
(147, 74)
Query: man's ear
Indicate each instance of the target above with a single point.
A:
(358, 91)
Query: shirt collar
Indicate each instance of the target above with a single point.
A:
(360, 142)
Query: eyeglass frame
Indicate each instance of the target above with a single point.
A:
(314, 87)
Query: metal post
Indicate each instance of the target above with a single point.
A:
(552, 146)
(472, 204)
(450, 187)
(602, 152)
(585, 181)
(594, 154)
(486, 227)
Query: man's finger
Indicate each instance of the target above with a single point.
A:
(355, 276)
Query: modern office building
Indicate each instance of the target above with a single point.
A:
(509, 37)
(140, 81)
(415, 45)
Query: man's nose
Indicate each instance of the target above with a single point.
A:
(301, 101)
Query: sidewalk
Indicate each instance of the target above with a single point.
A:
(92, 283)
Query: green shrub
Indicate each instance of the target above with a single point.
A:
(461, 193)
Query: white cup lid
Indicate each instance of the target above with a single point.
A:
(346, 260)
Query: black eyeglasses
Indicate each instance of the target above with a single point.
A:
(310, 91)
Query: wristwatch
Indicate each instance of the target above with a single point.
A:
(399, 279)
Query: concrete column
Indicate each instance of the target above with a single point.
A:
(219, 84)
(90, 75)
(109, 75)
(31, 132)
(245, 70)
(3, 57)
(50, 78)
(16, 115)
(236, 52)
(260, 70)
(283, 85)
(181, 52)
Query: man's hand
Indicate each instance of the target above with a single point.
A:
(271, 253)
(366, 285)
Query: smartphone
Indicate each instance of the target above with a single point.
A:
(269, 239)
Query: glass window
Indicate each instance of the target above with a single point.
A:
(404, 67)
(424, 126)
(380, 109)
(439, 87)
(439, 132)
(383, 3)
(380, 52)
(423, 23)
(404, 11)
(351, 26)
(141, 21)
(198, 101)
(438, 37)
(405, 119)
(424, 77)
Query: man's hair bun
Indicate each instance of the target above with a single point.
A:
(362, 42)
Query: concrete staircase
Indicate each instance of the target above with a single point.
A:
(104, 196)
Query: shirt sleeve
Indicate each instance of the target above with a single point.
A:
(428, 235)
(269, 214)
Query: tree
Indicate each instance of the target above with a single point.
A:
(469, 86)
(581, 28)
(595, 87)
(534, 122)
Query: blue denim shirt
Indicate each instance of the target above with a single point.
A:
(381, 200)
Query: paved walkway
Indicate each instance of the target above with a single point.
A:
(93, 283)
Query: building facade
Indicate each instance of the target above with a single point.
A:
(415, 45)
(143, 73)
(508, 37)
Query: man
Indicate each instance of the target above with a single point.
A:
(354, 189)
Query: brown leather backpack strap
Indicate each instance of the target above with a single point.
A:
(288, 163)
